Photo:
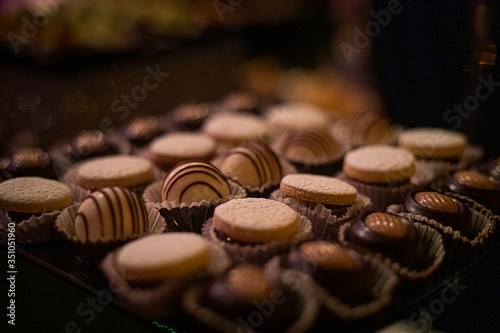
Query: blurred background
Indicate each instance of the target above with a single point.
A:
(72, 65)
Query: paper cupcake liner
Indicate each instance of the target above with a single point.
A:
(383, 283)
(324, 222)
(70, 178)
(456, 245)
(91, 253)
(380, 195)
(187, 217)
(427, 171)
(162, 300)
(430, 241)
(35, 230)
(297, 282)
(258, 253)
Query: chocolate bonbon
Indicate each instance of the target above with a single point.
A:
(194, 181)
(389, 234)
(447, 210)
(112, 213)
(245, 289)
(252, 164)
(338, 269)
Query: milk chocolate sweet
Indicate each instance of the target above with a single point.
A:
(341, 271)
(254, 221)
(475, 185)
(252, 165)
(189, 116)
(194, 181)
(110, 214)
(160, 257)
(89, 144)
(433, 143)
(309, 145)
(172, 148)
(389, 234)
(30, 162)
(447, 210)
(245, 287)
(23, 197)
(141, 130)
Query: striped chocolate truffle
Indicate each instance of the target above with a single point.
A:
(112, 213)
(252, 165)
(194, 181)
(309, 145)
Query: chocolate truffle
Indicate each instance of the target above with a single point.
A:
(474, 185)
(141, 130)
(30, 162)
(310, 145)
(444, 209)
(88, 144)
(252, 165)
(245, 289)
(389, 234)
(194, 181)
(342, 271)
(113, 213)
(189, 116)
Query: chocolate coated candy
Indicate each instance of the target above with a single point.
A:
(389, 234)
(444, 209)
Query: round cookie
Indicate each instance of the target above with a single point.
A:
(433, 143)
(158, 257)
(34, 195)
(112, 213)
(317, 188)
(236, 128)
(173, 148)
(194, 181)
(379, 164)
(293, 116)
(255, 220)
(252, 165)
(115, 170)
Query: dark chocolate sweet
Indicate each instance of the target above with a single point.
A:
(141, 130)
(447, 210)
(189, 116)
(30, 162)
(309, 145)
(246, 289)
(389, 234)
(474, 185)
(88, 144)
(341, 271)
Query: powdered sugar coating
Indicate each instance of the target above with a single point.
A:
(318, 188)
(34, 195)
(186, 145)
(256, 219)
(296, 115)
(379, 163)
(115, 170)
